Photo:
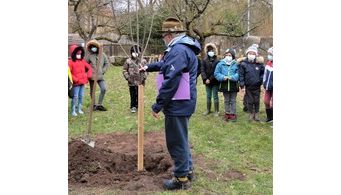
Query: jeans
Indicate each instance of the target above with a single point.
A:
(103, 89)
(78, 93)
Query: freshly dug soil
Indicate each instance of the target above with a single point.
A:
(113, 162)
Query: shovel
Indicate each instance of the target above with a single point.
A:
(87, 138)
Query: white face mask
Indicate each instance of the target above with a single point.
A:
(251, 57)
(228, 59)
(210, 53)
(270, 57)
(94, 49)
(79, 56)
(135, 54)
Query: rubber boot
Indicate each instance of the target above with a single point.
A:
(244, 104)
(269, 115)
(216, 108)
(208, 107)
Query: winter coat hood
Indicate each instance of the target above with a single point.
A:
(186, 40)
(73, 51)
(92, 43)
(215, 49)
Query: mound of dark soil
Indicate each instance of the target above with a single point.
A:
(113, 162)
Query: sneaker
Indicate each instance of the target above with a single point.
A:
(95, 108)
(268, 120)
(177, 183)
(80, 112)
(206, 113)
(74, 113)
(216, 114)
(133, 110)
(101, 108)
(233, 117)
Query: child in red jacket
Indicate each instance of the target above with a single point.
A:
(81, 71)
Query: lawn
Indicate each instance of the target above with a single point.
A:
(231, 158)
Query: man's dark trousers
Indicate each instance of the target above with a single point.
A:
(178, 145)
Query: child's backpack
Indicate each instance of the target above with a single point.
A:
(70, 85)
(70, 88)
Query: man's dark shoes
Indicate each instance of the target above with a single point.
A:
(191, 176)
(177, 183)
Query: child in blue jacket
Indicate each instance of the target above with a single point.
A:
(226, 73)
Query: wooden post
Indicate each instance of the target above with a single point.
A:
(140, 126)
(95, 73)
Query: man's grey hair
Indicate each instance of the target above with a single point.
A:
(178, 34)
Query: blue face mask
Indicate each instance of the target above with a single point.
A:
(94, 49)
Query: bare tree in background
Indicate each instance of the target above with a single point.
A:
(88, 17)
(205, 18)
(111, 19)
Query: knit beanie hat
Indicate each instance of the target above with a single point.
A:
(232, 52)
(254, 48)
(270, 50)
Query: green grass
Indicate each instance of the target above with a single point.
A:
(243, 146)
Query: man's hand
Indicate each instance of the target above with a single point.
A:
(207, 81)
(155, 115)
(226, 78)
(143, 68)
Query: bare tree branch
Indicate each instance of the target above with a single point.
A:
(208, 34)
(199, 12)
(106, 39)
(150, 32)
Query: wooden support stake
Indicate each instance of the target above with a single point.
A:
(140, 126)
